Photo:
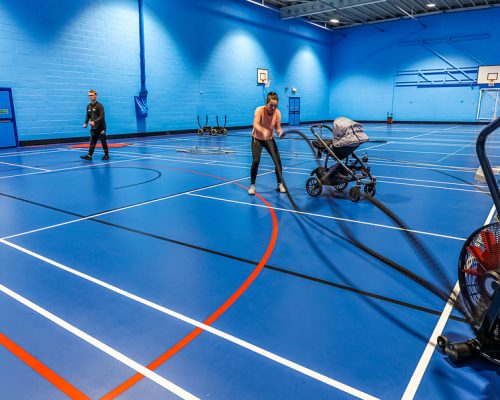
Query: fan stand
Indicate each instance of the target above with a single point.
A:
(487, 326)
(484, 344)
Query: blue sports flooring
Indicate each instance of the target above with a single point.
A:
(160, 254)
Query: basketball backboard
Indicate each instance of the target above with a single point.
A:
(488, 75)
(262, 76)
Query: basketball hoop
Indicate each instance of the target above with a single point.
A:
(263, 77)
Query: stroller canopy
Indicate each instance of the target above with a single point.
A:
(348, 133)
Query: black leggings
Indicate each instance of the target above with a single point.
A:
(94, 136)
(272, 149)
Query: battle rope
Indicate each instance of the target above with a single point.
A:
(419, 247)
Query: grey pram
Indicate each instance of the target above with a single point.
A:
(347, 135)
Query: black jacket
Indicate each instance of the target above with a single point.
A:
(95, 112)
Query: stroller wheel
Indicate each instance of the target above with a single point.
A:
(340, 186)
(355, 193)
(200, 132)
(314, 187)
(370, 189)
(213, 132)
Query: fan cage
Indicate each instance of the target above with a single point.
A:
(480, 255)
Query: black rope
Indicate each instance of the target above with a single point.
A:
(421, 250)
(428, 258)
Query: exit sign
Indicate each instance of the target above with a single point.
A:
(4, 111)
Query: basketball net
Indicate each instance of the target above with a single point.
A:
(267, 83)
(491, 82)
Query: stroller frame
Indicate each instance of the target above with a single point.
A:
(340, 174)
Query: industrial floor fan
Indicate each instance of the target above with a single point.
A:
(479, 277)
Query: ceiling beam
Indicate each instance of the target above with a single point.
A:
(322, 6)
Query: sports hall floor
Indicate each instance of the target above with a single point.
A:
(160, 258)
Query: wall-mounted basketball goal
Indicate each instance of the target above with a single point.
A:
(488, 107)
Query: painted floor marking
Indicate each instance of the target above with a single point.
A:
(25, 166)
(126, 208)
(55, 379)
(233, 339)
(438, 131)
(73, 168)
(99, 345)
(455, 152)
(330, 217)
(423, 363)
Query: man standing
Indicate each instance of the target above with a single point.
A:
(95, 114)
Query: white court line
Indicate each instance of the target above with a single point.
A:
(423, 134)
(127, 207)
(233, 339)
(414, 165)
(433, 187)
(479, 186)
(399, 164)
(28, 153)
(406, 164)
(414, 151)
(431, 181)
(434, 144)
(419, 165)
(25, 166)
(438, 131)
(100, 345)
(423, 363)
(91, 216)
(190, 161)
(372, 147)
(79, 167)
(460, 149)
(329, 217)
(256, 205)
(227, 163)
(478, 190)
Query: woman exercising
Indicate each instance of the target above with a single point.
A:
(266, 119)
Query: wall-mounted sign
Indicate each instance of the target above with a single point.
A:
(4, 111)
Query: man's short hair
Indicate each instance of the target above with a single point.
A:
(271, 96)
(93, 91)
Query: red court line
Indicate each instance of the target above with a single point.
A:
(212, 318)
(110, 145)
(44, 371)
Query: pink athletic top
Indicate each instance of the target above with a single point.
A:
(264, 124)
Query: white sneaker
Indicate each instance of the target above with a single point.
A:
(281, 188)
(251, 190)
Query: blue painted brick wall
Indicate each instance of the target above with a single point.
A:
(201, 58)
(53, 52)
(365, 60)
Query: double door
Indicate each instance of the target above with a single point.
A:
(8, 130)
(294, 111)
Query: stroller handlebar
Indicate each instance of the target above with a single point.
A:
(320, 127)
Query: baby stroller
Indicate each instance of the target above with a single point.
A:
(347, 137)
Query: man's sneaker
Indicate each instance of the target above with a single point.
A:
(251, 190)
(86, 157)
(105, 157)
(281, 188)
